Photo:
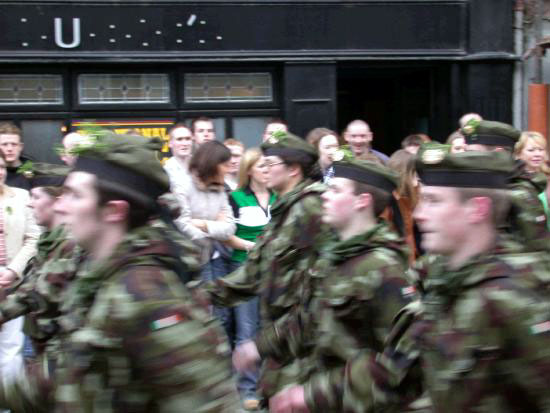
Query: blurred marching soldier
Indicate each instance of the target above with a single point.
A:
(477, 339)
(133, 337)
(52, 268)
(527, 220)
(353, 291)
(290, 245)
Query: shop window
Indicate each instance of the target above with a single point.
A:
(126, 88)
(228, 87)
(31, 90)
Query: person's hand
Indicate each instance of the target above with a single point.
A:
(7, 277)
(200, 224)
(248, 245)
(290, 400)
(246, 356)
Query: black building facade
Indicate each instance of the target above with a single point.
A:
(404, 66)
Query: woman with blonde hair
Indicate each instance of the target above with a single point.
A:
(251, 204)
(531, 149)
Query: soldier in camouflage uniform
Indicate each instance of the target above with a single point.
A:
(276, 267)
(53, 267)
(527, 220)
(355, 288)
(478, 340)
(134, 338)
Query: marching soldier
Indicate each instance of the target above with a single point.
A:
(477, 339)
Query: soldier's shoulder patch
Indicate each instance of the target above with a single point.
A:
(540, 328)
(167, 321)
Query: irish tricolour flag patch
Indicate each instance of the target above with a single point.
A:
(166, 322)
(540, 328)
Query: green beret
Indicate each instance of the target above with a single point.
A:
(465, 170)
(283, 144)
(367, 172)
(125, 163)
(486, 132)
(44, 174)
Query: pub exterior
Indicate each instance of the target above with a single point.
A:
(404, 66)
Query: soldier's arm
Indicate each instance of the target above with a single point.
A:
(175, 346)
(43, 292)
(370, 378)
(529, 220)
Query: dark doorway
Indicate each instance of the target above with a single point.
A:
(394, 101)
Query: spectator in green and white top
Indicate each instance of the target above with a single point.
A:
(251, 204)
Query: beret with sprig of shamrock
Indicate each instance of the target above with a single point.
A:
(285, 144)
(345, 165)
(126, 164)
(492, 133)
(44, 174)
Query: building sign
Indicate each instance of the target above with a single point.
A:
(231, 29)
(150, 128)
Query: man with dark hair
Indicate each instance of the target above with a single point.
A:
(527, 219)
(355, 288)
(11, 145)
(277, 265)
(134, 337)
(477, 339)
(203, 130)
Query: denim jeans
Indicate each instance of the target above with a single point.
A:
(241, 323)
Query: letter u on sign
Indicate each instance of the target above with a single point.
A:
(58, 28)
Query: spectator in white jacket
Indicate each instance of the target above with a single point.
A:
(206, 215)
(18, 236)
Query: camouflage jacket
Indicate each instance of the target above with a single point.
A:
(358, 287)
(276, 267)
(45, 278)
(134, 339)
(527, 217)
(478, 341)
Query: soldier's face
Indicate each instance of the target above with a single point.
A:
(277, 173)
(181, 142)
(204, 132)
(42, 206)
(339, 203)
(442, 218)
(78, 205)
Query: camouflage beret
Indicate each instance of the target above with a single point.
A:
(465, 170)
(285, 144)
(44, 174)
(367, 172)
(125, 163)
(486, 132)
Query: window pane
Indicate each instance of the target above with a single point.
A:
(41, 138)
(128, 88)
(228, 87)
(249, 130)
(31, 90)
